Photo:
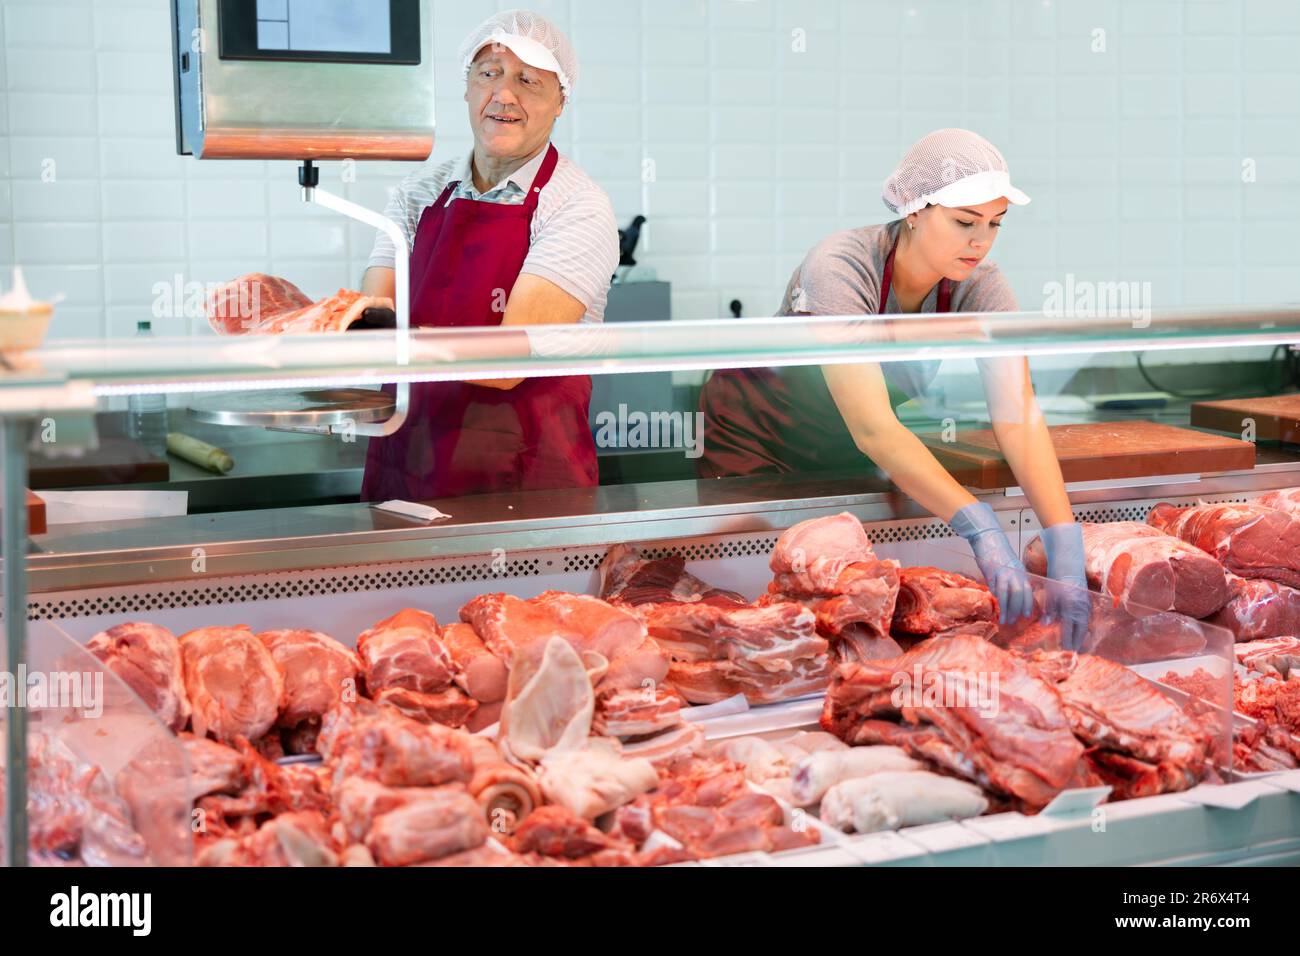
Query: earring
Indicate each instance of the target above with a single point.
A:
(911, 225)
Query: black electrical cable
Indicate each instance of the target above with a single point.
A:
(1289, 366)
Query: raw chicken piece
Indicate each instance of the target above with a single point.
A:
(549, 705)
(234, 685)
(405, 651)
(818, 772)
(479, 672)
(148, 660)
(887, 801)
(319, 673)
(450, 707)
(595, 780)
(440, 822)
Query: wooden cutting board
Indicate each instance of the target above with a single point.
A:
(117, 461)
(1277, 418)
(35, 514)
(1097, 451)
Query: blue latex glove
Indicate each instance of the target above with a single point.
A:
(1002, 570)
(1068, 601)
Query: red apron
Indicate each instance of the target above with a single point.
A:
(458, 438)
(764, 421)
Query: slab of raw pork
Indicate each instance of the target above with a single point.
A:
(259, 304)
(1247, 539)
(479, 672)
(1138, 564)
(1279, 656)
(318, 673)
(932, 602)
(148, 660)
(405, 651)
(719, 643)
(827, 565)
(1282, 499)
(1258, 608)
(234, 685)
(939, 703)
(1140, 742)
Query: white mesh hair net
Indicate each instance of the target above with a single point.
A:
(531, 37)
(950, 167)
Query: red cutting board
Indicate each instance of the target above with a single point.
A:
(1277, 418)
(35, 514)
(1097, 451)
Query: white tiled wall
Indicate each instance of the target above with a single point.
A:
(767, 123)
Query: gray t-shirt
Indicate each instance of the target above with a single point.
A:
(841, 276)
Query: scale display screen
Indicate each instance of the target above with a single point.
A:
(338, 31)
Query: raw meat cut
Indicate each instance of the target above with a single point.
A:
(242, 304)
(1258, 608)
(479, 672)
(631, 578)
(405, 651)
(814, 553)
(933, 602)
(1139, 740)
(596, 779)
(818, 772)
(761, 759)
(942, 708)
(259, 304)
(214, 767)
(827, 565)
(319, 673)
(684, 740)
(719, 644)
(633, 712)
(234, 686)
(1137, 564)
(1250, 540)
(1282, 499)
(505, 792)
(707, 682)
(889, 800)
(148, 660)
(556, 831)
(506, 623)
(290, 839)
(383, 745)
(438, 822)
(1279, 656)
(450, 707)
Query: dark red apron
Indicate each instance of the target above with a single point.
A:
(765, 421)
(462, 439)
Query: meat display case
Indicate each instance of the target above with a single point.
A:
(350, 565)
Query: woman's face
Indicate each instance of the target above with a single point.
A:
(952, 240)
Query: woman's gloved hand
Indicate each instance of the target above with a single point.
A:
(1003, 572)
(1063, 545)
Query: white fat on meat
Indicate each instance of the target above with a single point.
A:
(887, 801)
(550, 702)
(595, 780)
(817, 772)
(761, 759)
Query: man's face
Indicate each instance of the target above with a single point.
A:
(512, 106)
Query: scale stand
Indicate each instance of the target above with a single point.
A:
(353, 411)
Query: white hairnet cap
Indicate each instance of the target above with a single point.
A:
(531, 37)
(950, 167)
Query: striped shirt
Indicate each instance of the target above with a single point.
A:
(573, 241)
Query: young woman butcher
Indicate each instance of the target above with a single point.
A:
(951, 192)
